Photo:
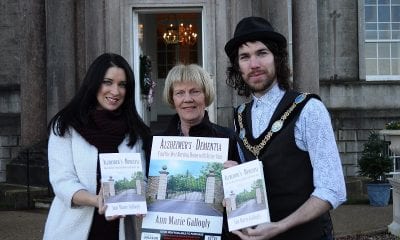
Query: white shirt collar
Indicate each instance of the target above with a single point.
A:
(271, 97)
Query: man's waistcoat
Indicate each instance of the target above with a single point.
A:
(287, 169)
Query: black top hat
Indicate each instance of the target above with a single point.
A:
(253, 29)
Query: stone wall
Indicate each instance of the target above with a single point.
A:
(9, 142)
(9, 83)
(152, 187)
(352, 128)
(356, 109)
(23, 87)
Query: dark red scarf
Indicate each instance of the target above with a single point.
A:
(105, 130)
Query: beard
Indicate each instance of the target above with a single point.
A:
(262, 85)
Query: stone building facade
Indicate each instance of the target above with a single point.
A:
(47, 46)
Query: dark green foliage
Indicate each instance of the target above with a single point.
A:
(393, 125)
(374, 161)
(246, 195)
(145, 75)
(125, 183)
(186, 182)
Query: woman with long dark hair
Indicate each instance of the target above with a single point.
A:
(101, 118)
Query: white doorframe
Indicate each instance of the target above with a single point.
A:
(130, 44)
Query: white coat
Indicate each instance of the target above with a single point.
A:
(72, 167)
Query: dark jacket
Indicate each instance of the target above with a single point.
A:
(209, 129)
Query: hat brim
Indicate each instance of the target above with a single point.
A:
(235, 42)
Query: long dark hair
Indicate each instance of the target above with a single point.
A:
(234, 76)
(76, 113)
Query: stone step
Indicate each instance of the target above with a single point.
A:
(42, 202)
(18, 197)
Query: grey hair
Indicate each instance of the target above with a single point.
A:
(188, 73)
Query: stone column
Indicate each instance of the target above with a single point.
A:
(225, 96)
(210, 188)
(95, 33)
(394, 227)
(29, 167)
(139, 186)
(162, 184)
(258, 196)
(225, 23)
(61, 74)
(232, 198)
(305, 46)
(276, 11)
(394, 138)
(33, 75)
(108, 188)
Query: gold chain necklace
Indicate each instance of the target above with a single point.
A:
(276, 126)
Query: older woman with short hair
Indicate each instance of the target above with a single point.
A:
(189, 90)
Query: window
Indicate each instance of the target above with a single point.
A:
(169, 54)
(382, 39)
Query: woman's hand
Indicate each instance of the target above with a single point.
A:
(103, 207)
(230, 163)
(100, 202)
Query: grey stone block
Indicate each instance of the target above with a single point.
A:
(349, 158)
(355, 146)
(8, 141)
(17, 174)
(355, 188)
(5, 152)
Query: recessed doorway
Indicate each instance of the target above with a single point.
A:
(165, 39)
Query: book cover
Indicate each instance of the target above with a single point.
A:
(184, 194)
(245, 195)
(122, 180)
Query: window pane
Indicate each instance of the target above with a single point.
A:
(370, 14)
(395, 66)
(371, 35)
(370, 66)
(384, 34)
(395, 13)
(383, 50)
(384, 26)
(395, 34)
(396, 50)
(371, 26)
(370, 50)
(383, 14)
(384, 66)
(383, 2)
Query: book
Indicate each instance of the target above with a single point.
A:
(122, 181)
(184, 194)
(245, 195)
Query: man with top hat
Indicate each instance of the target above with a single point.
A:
(289, 131)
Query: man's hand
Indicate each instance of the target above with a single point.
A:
(311, 209)
(261, 232)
